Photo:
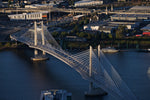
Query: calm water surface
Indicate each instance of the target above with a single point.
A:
(22, 79)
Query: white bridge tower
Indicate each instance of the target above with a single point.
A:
(38, 57)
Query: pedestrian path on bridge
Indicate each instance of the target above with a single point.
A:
(90, 64)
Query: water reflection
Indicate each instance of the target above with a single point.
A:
(148, 72)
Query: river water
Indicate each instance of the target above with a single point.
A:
(22, 79)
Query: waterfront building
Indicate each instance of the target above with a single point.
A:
(85, 3)
(29, 16)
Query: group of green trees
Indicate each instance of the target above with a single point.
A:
(7, 45)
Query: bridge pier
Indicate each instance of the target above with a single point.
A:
(37, 57)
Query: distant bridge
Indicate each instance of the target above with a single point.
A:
(92, 66)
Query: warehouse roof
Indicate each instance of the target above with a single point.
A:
(146, 27)
(140, 8)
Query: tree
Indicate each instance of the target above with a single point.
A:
(82, 34)
(103, 35)
(9, 2)
(1, 44)
(121, 31)
(55, 34)
(86, 21)
(81, 22)
(89, 36)
(7, 44)
(76, 28)
(63, 34)
(110, 35)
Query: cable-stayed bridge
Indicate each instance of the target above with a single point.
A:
(92, 66)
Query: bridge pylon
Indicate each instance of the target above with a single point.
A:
(38, 57)
(93, 91)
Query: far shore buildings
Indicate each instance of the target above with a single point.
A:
(40, 5)
(29, 16)
(100, 27)
(85, 3)
(140, 9)
(131, 21)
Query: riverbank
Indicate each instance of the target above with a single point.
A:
(11, 45)
(122, 44)
(117, 43)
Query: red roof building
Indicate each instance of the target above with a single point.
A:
(146, 33)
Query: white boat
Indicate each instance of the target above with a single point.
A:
(55, 95)
(109, 50)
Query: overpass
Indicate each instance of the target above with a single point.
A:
(27, 10)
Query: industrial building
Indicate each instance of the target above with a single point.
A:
(92, 26)
(130, 17)
(85, 3)
(129, 25)
(107, 29)
(29, 16)
(101, 27)
(40, 5)
(140, 9)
